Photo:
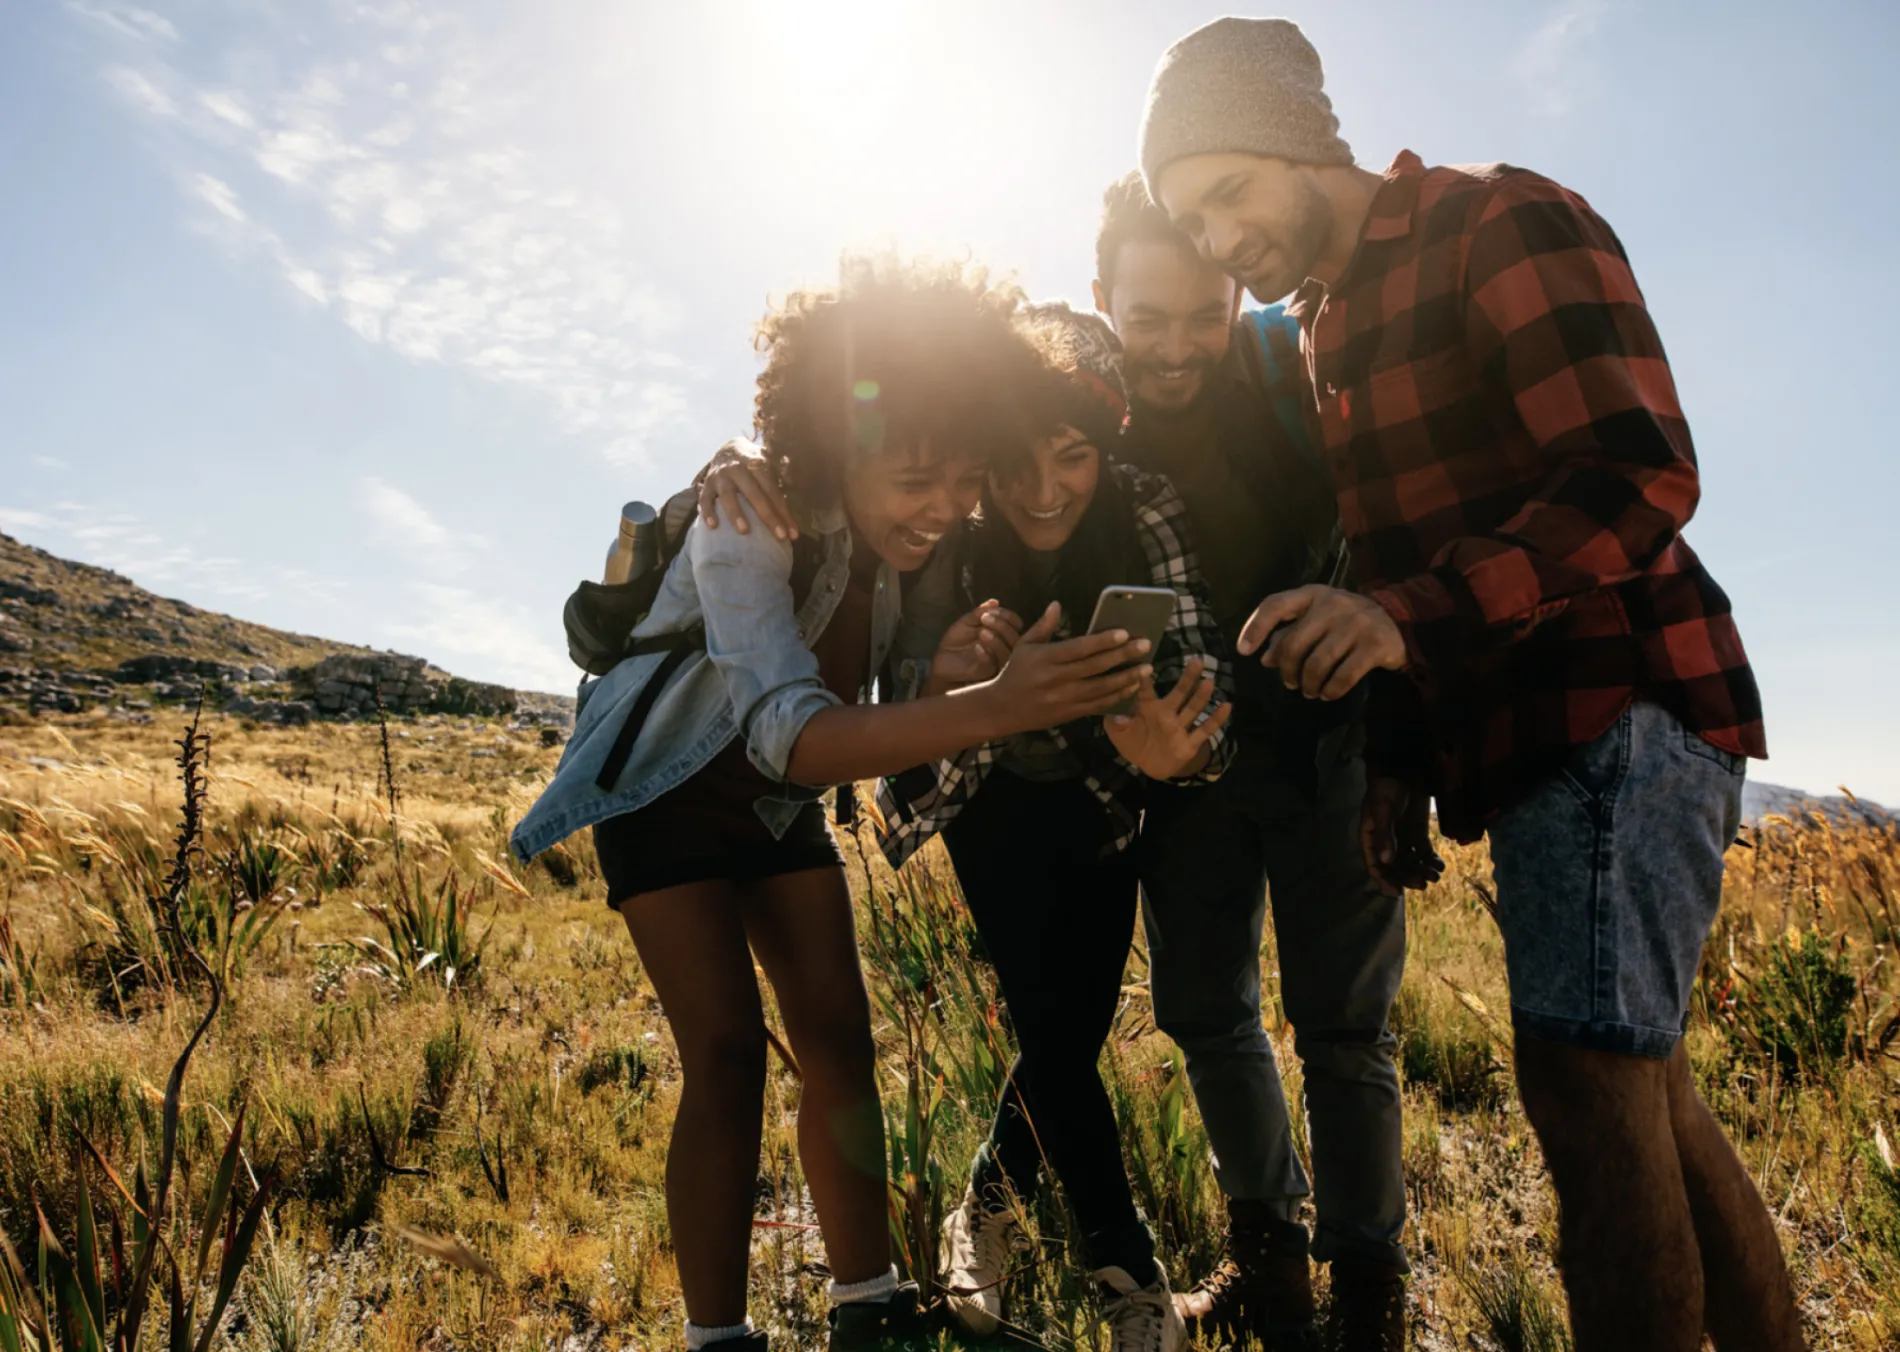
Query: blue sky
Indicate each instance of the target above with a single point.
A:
(361, 317)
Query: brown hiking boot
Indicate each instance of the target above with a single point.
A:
(1262, 1288)
(1368, 1310)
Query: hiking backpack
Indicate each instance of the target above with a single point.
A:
(600, 619)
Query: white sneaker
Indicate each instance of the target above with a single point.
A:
(977, 1243)
(1141, 1318)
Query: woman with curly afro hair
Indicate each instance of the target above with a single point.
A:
(883, 401)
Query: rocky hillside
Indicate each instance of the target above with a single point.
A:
(1762, 800)
(73, 637)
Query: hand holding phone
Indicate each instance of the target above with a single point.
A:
(1141, 611)
(1047, 683)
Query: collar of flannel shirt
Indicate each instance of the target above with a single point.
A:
(1393, 208)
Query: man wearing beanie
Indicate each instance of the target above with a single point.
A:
(1547, 658)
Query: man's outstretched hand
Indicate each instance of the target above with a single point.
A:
(1395, 832)
(1323, 640)
(737, 470)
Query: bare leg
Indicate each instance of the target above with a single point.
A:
(1750, 1303)
(800, 925)
(692, 943)
(1630, 1261)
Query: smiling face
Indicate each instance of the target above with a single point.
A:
(901, 503)
(1044, 500)
(1174, 313)
(1265, 222)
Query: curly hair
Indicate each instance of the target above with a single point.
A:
(914, 356)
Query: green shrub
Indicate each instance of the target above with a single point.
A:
(258, 868)
(1518, 1314)
(430, 938)
(1443, 1048)
(1796, 1014)
(625, 1067)
(19, 969)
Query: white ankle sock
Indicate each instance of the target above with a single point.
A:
(698, 1335)
(877, 1289)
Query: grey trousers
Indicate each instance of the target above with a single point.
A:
(1211, 856)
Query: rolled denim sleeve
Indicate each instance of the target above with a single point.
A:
(753, 639)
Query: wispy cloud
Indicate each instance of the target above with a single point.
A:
(125, 543)
(125, 21)
(1556, 64)
(447, 614)
(378, 174)
(139, 90)
(414, 534)
(461, 623)
(443, 610)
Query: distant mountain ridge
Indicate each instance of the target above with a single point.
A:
(1762, 800)
(75, 636)
(59, 614)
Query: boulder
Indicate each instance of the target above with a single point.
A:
(352, 682)
(33, 596)
(153, 667)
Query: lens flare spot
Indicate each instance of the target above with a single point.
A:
(865, 391)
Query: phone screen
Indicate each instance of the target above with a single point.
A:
(1142, 611)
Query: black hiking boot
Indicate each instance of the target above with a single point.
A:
(866, 1325)
(1368, 1310)
(1261, 1289)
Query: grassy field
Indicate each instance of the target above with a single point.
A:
(465, 1150)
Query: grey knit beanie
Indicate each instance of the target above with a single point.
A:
(1251, 85)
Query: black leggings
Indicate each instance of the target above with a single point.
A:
(1057, 918)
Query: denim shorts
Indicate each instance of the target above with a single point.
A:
(1609, 877)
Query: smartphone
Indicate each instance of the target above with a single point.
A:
(1142, 611)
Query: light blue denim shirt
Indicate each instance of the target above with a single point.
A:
(756, 679)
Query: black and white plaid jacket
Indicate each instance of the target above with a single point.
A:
(915, 805)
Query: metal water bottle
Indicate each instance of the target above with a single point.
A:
(637, 547)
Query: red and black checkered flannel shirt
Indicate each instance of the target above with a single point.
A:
(1514, 472)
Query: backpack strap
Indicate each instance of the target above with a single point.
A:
(1273, 360)
(677, 647)
(1270, 352)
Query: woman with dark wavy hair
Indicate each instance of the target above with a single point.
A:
(1038, 824)
(883, 400)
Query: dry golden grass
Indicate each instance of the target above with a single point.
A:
(525, 1106)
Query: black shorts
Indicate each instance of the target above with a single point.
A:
(657, 848)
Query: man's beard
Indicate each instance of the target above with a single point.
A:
(1299, 245)
(1202, 366)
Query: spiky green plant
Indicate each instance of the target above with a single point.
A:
(98, 1296)
(425, 937)
(258, 868)
(1517, 1313)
